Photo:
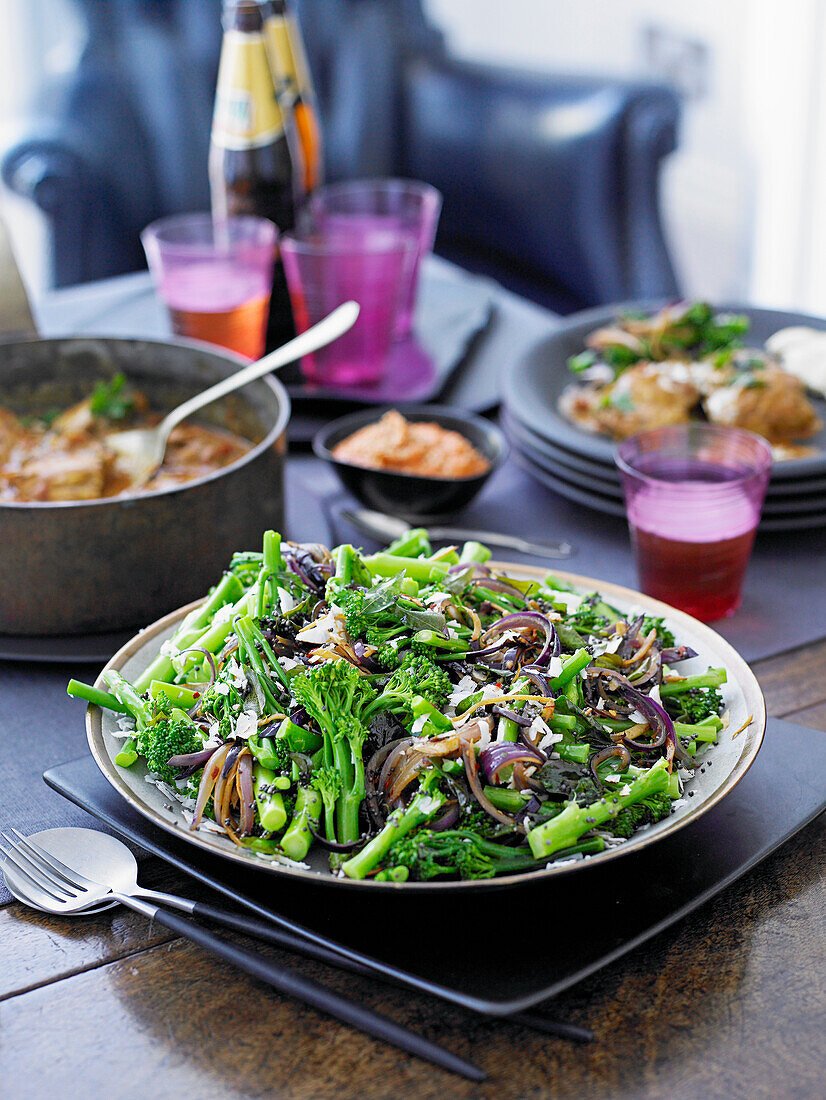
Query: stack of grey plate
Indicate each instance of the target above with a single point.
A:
(580, 465)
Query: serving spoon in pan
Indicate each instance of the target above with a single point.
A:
(140, 451)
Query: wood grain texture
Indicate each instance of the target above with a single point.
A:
(731, 1003)
(793, 680)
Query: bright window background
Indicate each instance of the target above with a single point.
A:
(744, 197)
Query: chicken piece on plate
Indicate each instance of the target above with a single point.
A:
(648, 395)
(769, 402)
(11, 432)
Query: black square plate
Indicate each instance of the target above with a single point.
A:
(473, 951)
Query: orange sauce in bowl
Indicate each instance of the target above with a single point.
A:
(421, 448)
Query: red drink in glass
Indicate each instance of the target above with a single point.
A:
(219, 303)
(693, 499)
(215, 278)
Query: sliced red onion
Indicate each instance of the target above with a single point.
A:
(478, 569)
(534, 620)
(657, 716)
(501, 753)
(494, 584)
(537, 677)
(602, 755)
(246, 798)
(674, 654)
(627, 643)
(488, 651)
(295, 567)
(472, 775)
(511, 715)
(192, 759)
(333, 845)
(208, 780)
(447, 820)
(233, 754)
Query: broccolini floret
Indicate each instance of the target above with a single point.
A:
(651, 809)
(335, 696)
(166, 738)
(697, 704)
(416, 675)
(665, 636)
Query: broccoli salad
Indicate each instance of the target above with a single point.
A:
(417, 714)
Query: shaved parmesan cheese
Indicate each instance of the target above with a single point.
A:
(571, 600)
(286, 601)
(321, 631)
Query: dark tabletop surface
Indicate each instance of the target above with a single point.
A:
(731, 1002)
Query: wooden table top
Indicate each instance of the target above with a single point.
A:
(731, 1002)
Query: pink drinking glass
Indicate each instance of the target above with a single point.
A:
(215, 278)
(693, 495)
(323, 270)
(408, 206)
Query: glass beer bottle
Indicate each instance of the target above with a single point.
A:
(252, 167)
(291, 73)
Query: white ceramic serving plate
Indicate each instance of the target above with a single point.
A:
(732, 756)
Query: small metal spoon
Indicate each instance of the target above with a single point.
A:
(140, 451)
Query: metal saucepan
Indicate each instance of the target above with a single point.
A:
(78, 567)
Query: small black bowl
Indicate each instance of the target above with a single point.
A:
(408, 495)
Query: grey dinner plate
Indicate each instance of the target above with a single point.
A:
(600, 501)
(533, 385)
(608, 482)
(797, 491)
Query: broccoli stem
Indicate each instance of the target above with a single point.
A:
(414, 543)
(127, 755)
(507, 729)
(447, 554)
(228, 590)
(245, 629)
(503, 798)
(567, 827)
(424, 805)
(351, 799)
(422, 570)
(271, 810)
(272, 562)
(298, 739)
(570, 668)
(255, 631)
(577, 754)
(711, 679)
(78, 690)
(129, 697)
(474, 551)
(702, 731)
(181, 696)
(438, 641)
(296, 841)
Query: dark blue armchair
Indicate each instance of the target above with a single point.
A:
(550, 182)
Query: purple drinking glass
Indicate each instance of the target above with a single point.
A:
(325, 269)
(693, 495)
(398, 205)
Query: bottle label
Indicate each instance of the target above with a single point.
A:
(286, 62)
(247, 113)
